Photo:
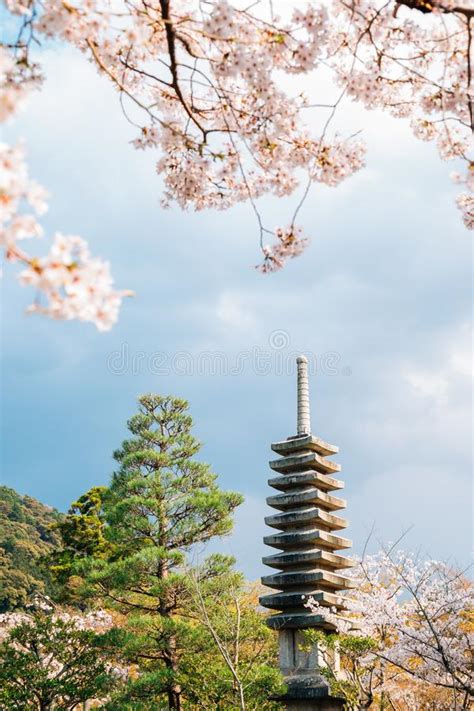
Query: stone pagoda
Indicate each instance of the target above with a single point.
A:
(307, 563)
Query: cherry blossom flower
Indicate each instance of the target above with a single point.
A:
(465, 203)
(96, 620)
(69, 283)
(206, 82)
(17, 191)
(76, 285)
(17, 79)
(419, 613)
(289, 244)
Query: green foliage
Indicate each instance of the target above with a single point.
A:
(160, 494)
(347, 645)
(233, 616)
(192, 637)
(81, 533)
(161, 502)
(353, 651)
(230, 644)
(47, 660)
(26, 536)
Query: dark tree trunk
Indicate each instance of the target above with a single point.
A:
(174, 689)
(170, 655)
(174, 700)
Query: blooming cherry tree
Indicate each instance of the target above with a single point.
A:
(418, 616)
(210, 87)
(69, 282)
(53, 659)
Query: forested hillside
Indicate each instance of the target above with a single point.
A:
(26, 535)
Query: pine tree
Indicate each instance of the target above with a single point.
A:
(81, 533)
(160, 504)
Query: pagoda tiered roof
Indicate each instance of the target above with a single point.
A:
(307, 564)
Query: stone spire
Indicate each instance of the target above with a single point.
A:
(303, 412)
(306, 564)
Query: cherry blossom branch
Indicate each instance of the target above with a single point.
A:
(205, 80)
(69, 282)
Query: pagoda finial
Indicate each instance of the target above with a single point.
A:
(307, 563)
(303, 413)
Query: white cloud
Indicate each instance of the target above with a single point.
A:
(235, 313)
(385, 283)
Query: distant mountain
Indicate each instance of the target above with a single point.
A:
(26, 536)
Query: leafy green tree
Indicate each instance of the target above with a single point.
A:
(358, 684)
(27, 535)
(227, 656)
(48, 662)
(81, 533)
(233, 658)
(161, 503)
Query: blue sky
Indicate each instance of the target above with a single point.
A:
(380, 302)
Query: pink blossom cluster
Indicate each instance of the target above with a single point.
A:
(289, 244)
(17, 79)
(465, 201)
(69, 282)
(413, 65)
(17, 190)
(207, 83)
(338, 160)
(210, 97)
(75, 284)
(417, 611)
(96, 621)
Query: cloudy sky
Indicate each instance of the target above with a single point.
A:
(380, 302)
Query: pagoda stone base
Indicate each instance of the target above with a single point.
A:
(299, 658)
(307, 689)
(307, 563)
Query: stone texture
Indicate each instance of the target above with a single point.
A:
(303, 417)
(309, 477)
(304, 460)
(307, 563)
(306, 495)
(309, 442)
(303, 517)
(325, 559)
(307, 688)
(313, 536)
(292, 600)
